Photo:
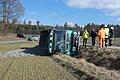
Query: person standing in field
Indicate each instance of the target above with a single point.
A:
(85, 37)
(101, 35)
(107, 35)
(93, 36)
(111, 36)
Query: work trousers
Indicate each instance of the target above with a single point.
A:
(93, 41)
(84, 41)
(110, 41)
(106, 42)
(101, 42)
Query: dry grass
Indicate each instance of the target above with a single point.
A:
(9, 37)
(32, 68)
(116, 41)
(14, 46)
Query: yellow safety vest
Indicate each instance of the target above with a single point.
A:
(85, 34)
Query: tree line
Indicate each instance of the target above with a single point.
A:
(28, 28)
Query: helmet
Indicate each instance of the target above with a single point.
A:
(102, 26)
(111, 28)
(85, 30)
(106, 26)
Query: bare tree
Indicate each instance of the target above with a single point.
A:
(9, 10)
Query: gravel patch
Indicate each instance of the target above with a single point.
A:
(35, 51)
(16, 53)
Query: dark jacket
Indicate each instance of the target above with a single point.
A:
(93, 34)
(111, 33)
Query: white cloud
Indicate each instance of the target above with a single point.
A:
(111, 7)
(33, 21)
(71, 24)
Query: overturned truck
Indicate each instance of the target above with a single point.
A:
(62, 41)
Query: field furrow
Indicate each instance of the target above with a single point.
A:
(32, 68)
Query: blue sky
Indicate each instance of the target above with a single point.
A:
(52, 12)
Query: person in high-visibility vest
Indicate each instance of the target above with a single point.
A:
(107, 35)
(85, 37)
(101, 35)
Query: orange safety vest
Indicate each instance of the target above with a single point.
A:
(102, 33)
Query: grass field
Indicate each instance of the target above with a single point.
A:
(4, 47)
(32, 68)
(116, 42)
(17, 45)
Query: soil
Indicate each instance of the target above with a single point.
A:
(80, 75)
(84, 70)
(108, 58)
